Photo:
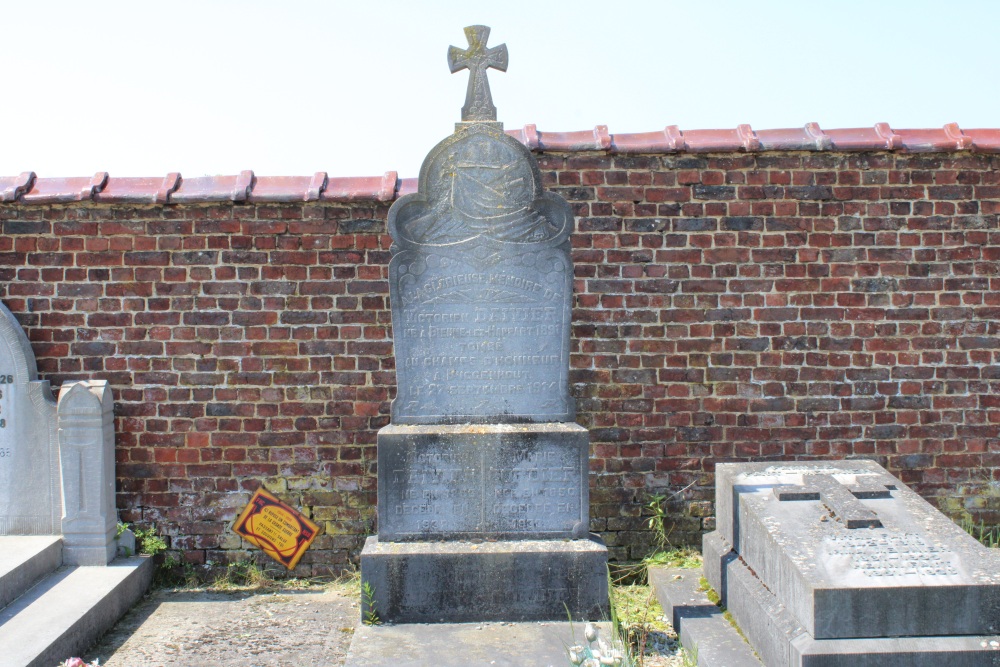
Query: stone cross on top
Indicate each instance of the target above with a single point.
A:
(842, 500)
(477, 58)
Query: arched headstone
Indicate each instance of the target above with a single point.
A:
(57, 459)
(30, 495)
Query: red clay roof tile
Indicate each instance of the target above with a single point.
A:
(205, 189)
(808, 138)
(716, 141)
(859, 139)
(12, 187)
(928, 140)
(282, 189)
(361, 188)
(527, 135)
(101, 188)
(407, 186)
(667, 140)
(141, 190)
(984, 140)
(597, 139)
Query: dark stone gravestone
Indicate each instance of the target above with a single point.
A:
(483, 502)
(838, 563)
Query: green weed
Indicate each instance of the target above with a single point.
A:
(368, 602)
(149, 542)
(658, 521)
(241, 575)
(988, 536)
(682, 557)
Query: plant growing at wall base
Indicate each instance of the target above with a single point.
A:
(682, 557)
(243, 574)
(988, 536)
(368, 602)
(657, 522)
(149, 542)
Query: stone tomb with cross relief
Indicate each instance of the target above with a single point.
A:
(838, 562)
(483, 499)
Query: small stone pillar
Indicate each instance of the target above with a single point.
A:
(85, 417)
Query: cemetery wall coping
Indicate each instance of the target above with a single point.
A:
(101, 188)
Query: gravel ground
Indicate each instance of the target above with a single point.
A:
(199, 628)
(281, 627)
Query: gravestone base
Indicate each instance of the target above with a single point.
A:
(780, 640)
(488, 481)
(89, 548)
(507, 580)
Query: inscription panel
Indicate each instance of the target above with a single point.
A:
(886, 555)
(483, 484)
(481, 344)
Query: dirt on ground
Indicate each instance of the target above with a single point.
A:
(282, 627)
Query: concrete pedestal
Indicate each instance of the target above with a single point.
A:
(457, 581)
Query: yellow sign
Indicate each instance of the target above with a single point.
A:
(282, 532)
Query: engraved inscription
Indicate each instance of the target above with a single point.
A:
(6, 434)
(892, 554)
(783, 470)
(483, 343)
(481, 490)
(474, 590)
(8, 440)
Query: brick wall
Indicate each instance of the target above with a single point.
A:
(783, 305)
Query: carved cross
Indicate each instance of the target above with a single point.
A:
(477, 58)
(841, 499)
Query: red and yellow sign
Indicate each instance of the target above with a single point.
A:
(282, 532)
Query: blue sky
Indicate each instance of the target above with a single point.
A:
(359, 88)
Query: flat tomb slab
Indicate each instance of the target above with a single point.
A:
(466, 644)
(460, 582)
(780, 640)
(24, 559)
(890, 578)
(502, 481)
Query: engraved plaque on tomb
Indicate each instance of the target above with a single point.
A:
(30, 495)
(481, 284)
(507, 482)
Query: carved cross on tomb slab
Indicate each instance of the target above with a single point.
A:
(842, 500)
(477, 58)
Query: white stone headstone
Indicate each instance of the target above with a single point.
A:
(57, 460)
(30, 494)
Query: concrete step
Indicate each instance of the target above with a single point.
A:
(67, 611)
(702, 629)
(489, 644)
(24, 560)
